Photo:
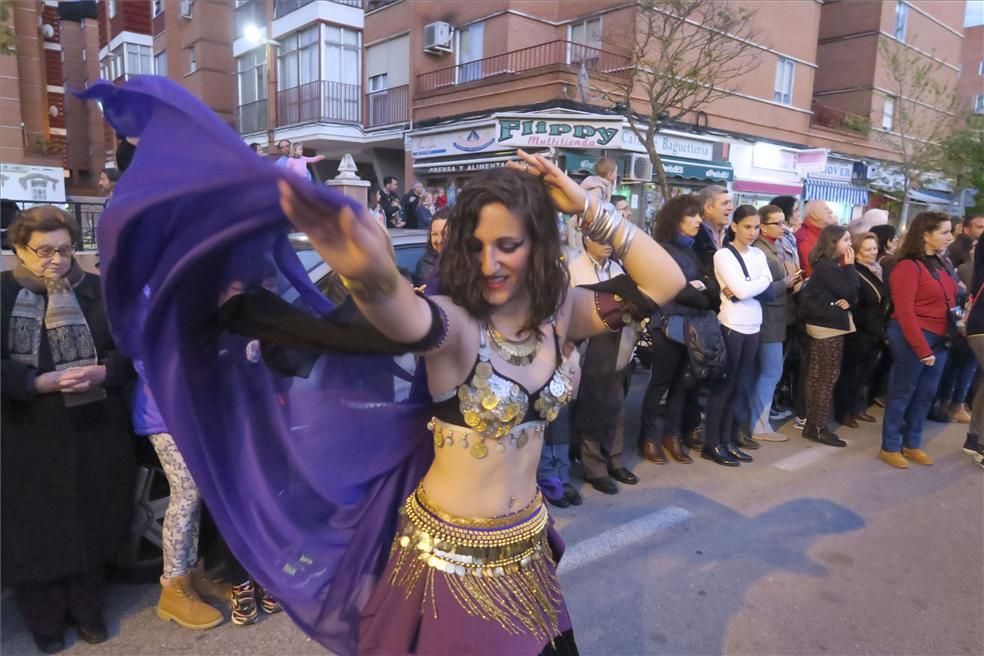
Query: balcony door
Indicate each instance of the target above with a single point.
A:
(343, 73)
(470, 45)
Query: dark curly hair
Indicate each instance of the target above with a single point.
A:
(547, 278)
(924, 223)
(670, 216)
(44, 218)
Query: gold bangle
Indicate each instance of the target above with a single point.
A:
(372, 290)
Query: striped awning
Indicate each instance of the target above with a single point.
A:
(848, 193)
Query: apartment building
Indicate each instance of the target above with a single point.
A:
(32, 108)
(970, 88)
(311, 58)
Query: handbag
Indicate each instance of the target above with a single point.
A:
(954, 314)
(701, 335)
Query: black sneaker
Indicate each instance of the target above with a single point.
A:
(94, 633)
(50, 644)
(573, 496)
(830, 439)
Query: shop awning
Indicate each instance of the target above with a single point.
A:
(695, 169)
(848, 193)
(443, 166)
(767, 188)
(929, 197)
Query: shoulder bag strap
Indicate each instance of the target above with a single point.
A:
(741, 261)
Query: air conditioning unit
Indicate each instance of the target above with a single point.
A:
(638, 168)
(184, 9)
(437, 38)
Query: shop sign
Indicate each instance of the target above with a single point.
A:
(672, 146)
(443, 169)
(838, 169)
(811, 161)
(458, 142)
(44, 184)
(566, 133)
(697, 171)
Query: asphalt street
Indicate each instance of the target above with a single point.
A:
(809, 550)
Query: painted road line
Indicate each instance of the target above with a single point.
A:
(804, 458)
(604, 544)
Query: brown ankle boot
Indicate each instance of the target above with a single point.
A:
(652, 451)
(672, 444)
(917, 455)
(893, 458)
(180, 603)
(209, 588)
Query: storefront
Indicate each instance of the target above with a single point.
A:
(764, 171)
(841, 185)
(446, 157)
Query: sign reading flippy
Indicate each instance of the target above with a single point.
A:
(570, 133)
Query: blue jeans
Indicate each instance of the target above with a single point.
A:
(911, 390)
(959, 374)
(755, 402)
(719, 416)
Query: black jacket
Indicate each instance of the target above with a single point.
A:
(690, 300)
(874, 304)
(828, 283)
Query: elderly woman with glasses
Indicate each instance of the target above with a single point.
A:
(66, 465)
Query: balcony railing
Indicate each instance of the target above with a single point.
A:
(320, 101)
(252, 117)
(828, 117)
(284, 7)
(388, 106)
(553, 53)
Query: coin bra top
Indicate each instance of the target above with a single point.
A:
(493, 405)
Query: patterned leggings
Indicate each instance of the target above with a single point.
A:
(180, 536)
(825, 364)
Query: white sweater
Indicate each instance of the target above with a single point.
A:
(745, 314)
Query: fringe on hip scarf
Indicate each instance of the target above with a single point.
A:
(499, 568)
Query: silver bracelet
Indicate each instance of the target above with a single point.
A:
(623, 249)
(606, 225)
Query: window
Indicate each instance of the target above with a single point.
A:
(470, 46)
(251, 71)
(980, 68)
(85, 57)
(586, 40)
(138, 60)
(156, 7)
(342, 56)
(299, 59)
(192, 60)
(785, 69)
(979, 104)
(901, 19)
(111, 8)
(160, 63)
(378, 82)
(888, 113)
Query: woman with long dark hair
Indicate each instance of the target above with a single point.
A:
(332, 503)
(677, 223)
(825, 304)
(924, 296)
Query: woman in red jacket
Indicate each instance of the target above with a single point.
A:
(923, 293)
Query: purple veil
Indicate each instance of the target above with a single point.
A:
(303, 476)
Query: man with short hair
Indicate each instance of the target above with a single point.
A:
(391, 203)
(716, 207)
(283, 147)
(816, 216)
(598, 413)
(970, 231)
(410, 203)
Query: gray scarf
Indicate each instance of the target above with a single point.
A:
(50, 305)
(875, 268)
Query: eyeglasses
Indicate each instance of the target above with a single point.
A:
(772, 223)
(47, 252)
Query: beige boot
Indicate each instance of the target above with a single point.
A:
(917, 455)
(180, 603)
(894, 459)
(960, 414)
(209, 588)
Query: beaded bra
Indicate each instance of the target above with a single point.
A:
(497, 407)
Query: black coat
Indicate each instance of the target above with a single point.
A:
(66, 473)
(874, 304)
(828, 283)
(691, 300)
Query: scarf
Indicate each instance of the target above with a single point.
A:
(61, 316)
(876, 268)
(683, 241)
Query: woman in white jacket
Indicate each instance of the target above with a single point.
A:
(743, 273)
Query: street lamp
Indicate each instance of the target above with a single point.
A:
(253, 35)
